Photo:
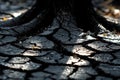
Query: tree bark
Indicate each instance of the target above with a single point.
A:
(83, 12)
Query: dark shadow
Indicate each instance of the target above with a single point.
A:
(62, 51)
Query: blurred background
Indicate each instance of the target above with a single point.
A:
(14, 8)
(14, 4)
(109, 8)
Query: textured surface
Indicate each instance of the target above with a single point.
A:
(61, 51)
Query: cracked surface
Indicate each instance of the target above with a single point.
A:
(61, 51)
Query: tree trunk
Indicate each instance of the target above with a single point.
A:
(43, 12)
(83, 12)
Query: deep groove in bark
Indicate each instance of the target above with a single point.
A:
(86, 17)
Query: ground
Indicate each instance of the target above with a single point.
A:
(61, 51)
